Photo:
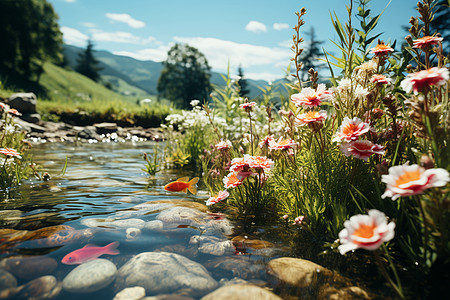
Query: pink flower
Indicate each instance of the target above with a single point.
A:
(282, 144)
(426, 41)
(298, 220)
(15, 112)
(309, 97)
(231, 180)
(10, 152)
(361, 149)
(366, 232)
(422, 80)
(258, 162)
(351, 129)
(411, 180)
(380, 79)
(247, 106)
(266, 141)
(223, 145)
(311, 116)
(222, 195)
(381, 49)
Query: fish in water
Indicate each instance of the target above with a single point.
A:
(88, 253)
(183, 185)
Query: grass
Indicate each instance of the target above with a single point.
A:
(65, 95)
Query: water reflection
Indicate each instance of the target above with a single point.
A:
(106, 197)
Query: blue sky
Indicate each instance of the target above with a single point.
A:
(256, 34)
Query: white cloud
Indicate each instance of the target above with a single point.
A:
(70, 1)
(127, 19)
(267, 76)
(88, 24)
(119, 37)
(221, 52)
(280, 26)
(255, 26)
(285, 44)
(72, 36)
(155, 54)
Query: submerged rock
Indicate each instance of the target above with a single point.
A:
(298, 272)
(45, 287)
(90, 277)
(105, 223)
(163, 272)
(211, 245)
(7, 280)
(241, 291)
(176, 216)
(29, 267)
(132, 293)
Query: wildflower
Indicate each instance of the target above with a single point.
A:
(351, 129)
(422, 80)
(366, 232)
(381, 49)
(282, 144)
(408, 180)
(14, 111)
(259, 162)
(266, 141)
(298, 220)
(360, 92)
(309, 97)
(426, 41)
(231, 180)
(10, 128)
(222, 195)
(194, 103)
(247, 106)
(311, 116)
(365, 70)
(10, 152)
(223, 145)
(285, 217)
(361, 149)
(380, 79)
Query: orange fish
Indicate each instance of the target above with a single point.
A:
(183, 185)
(88, 253)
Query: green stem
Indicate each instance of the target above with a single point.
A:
(425, 230)
(396, 286)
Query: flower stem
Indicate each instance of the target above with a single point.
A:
(396, 286)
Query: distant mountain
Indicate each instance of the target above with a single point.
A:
(124, 72)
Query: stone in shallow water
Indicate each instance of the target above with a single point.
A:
(181, 216)
(7, 280)
(241, 291)
(45, 287)
(132, 234)
(154, 225)
(211, 245)
(132, 293)
(163, 272)
(105, 223)
(297, 272)
(29, 267)
(90, 277)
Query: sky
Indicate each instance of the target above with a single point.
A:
(254, 34)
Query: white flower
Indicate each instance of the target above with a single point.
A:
(195, 102)
(411, 180)
(366, 232)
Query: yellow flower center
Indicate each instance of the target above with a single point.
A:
(349, 129)
(365, 231)
(407, 177)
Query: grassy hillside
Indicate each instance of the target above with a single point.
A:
(65, 84)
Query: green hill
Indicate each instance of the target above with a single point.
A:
(143, 75)
(64, 84)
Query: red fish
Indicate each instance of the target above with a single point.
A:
(183, 185)
(88, 253)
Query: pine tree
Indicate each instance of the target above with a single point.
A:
(88, 64)
(243, 85)
(311, 55)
